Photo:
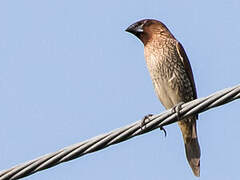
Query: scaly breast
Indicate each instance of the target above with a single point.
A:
(167, 73)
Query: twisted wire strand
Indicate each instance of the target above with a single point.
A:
(122, 134)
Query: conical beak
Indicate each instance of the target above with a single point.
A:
(135, 28)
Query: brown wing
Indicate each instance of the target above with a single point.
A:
(183, 56)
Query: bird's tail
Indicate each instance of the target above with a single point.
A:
(192, 148)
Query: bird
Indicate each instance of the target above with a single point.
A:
(172, 78)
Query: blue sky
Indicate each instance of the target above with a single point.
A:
(69, 71)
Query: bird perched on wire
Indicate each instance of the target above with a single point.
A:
(172, 78)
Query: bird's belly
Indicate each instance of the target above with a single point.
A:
(167, 94)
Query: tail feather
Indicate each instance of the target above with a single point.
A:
(192, 148)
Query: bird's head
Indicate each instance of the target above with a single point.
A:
(146, 29)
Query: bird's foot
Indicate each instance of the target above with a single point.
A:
(177, 108)
(144, 119)
(165, 132)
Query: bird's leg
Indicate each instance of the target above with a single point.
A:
(177, 108)
(165, 132)
(144, 119)
(147, 117)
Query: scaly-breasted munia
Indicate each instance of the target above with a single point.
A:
(172, 78)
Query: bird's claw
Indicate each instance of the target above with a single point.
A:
(177, 108)
(165, 132)
(147, 117)
(144, 119)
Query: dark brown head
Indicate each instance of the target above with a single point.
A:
(147, 29)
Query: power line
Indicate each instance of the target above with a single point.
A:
(122, 134)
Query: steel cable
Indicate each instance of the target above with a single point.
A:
(116, 136)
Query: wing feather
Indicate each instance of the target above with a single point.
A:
(183, 56)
